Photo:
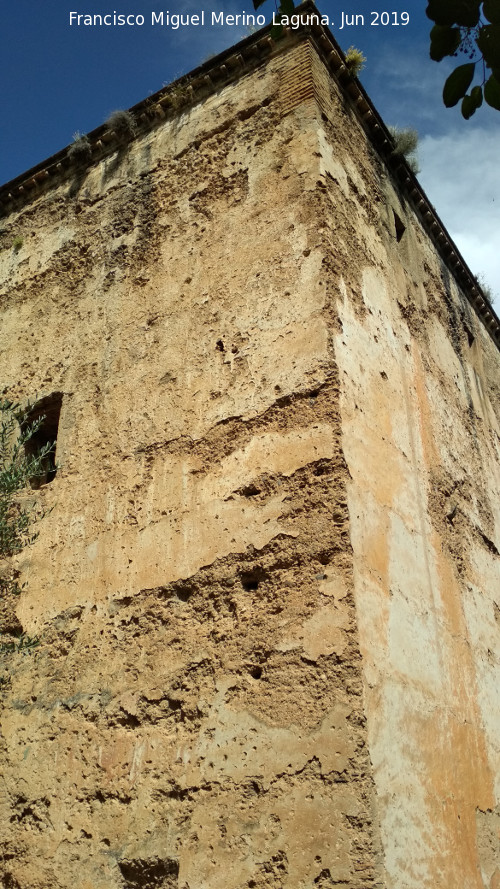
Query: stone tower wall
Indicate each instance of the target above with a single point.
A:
(267, 588)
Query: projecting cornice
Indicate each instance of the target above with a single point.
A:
(226, 68)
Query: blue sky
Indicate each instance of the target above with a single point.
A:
(56, 79)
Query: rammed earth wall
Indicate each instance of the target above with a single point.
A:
(267, 592)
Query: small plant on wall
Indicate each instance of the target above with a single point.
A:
(486, 288)
(405, 145)
(80, 150)
(355, 61)
(17, 469)
(122, 123)
(19, 513)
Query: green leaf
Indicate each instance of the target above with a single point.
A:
(491, 9)
(440, 12)
(492, 92)
(468, 15)
(477, 94)
(468, 108)
(471, 103)
(454, 12)
(287, 7)
(468, 12)
(457, 84)
(444, 42)
(276, 32)
(488, 41)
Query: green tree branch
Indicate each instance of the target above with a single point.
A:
(470, 28)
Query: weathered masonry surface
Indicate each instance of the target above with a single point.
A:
(267, 591)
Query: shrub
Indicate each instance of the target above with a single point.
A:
(405, 145)
(486, 288)
(355, 61)
(17, 243)
(122, 123)
(80, 150)
(177, 96)
(17, 514)
(17, 468)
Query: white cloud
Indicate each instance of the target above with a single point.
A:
(401, 96)
(460, 177)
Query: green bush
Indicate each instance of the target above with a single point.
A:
(486, 288)
(405, 145)
(355, 61)
(17, 469)
(80, 150)
(123, 123)
(18, 513)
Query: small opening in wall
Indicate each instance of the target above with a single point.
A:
(250, 580)
(48, 409)
(470, 336)
(399, 226)
(250, 490)
(219, 345)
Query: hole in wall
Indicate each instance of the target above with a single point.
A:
(250, 490)
(399, 226)
(219, 345)
(321, 469)
(250, 580)
(470, 336)
(183, 591)
(48, 411)
(149, 873)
